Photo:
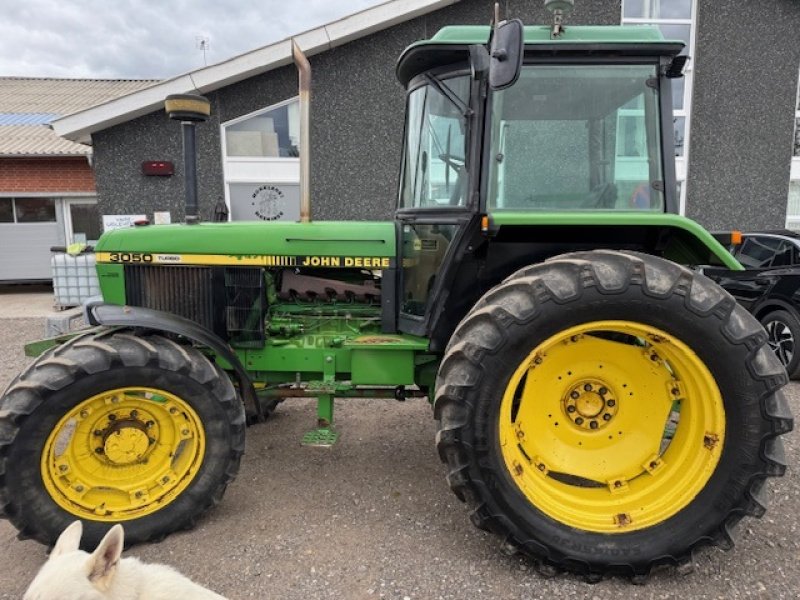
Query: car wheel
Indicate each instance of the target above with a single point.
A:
(783, 329)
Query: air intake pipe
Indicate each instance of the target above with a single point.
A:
(189, 109)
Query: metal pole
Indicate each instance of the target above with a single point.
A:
(190, 167)
(304, 75)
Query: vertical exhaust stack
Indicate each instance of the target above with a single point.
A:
(304, 76)
(189, 109)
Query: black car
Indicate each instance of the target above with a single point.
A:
(769, 288)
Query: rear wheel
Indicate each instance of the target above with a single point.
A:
(115, 428)
(607, 412)
(783, 329)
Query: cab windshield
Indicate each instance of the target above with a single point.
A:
(577, 137)
(434, 172)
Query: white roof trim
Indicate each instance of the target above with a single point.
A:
(79, 126)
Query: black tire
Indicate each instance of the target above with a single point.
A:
(91, 364)
(783, 331)
(541, 300)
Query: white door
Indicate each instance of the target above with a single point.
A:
(29, 227)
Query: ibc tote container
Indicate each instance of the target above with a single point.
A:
(74, 277)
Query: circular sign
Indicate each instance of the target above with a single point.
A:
(267, 200)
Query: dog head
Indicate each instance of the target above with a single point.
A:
(72, 573)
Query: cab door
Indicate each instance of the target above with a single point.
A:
(433, 210)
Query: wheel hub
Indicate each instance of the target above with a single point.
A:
(590, 404)
(127, 443)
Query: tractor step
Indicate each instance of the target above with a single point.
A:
(322, 438)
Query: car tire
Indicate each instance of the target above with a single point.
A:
(783, 328)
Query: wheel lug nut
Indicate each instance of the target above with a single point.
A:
(606, 417)
(593, 424)
(84, 414)
(134, 414)
(571, 409)
(588, 387)
(603, 391)
(574, 394)
(149, 424)
(98, 433)
(579, 421)
(98, 451)
(611, 402)
(112, 417)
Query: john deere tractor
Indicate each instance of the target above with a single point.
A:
(601, 405)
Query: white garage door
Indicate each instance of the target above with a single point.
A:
(28, 228)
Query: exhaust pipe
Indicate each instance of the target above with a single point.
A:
(189, 109)
(304, 76)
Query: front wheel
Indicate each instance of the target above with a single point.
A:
(112, 427)
(607, 412)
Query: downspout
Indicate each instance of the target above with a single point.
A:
(304, 76)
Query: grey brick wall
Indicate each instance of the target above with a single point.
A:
(748, 54)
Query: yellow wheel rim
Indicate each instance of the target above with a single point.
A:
(611, 426)
(123, 454)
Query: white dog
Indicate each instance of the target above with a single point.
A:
(72, 574)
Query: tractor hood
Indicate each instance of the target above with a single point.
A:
(257, 243)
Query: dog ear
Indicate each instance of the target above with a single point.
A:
(69, 540)
(104, 560)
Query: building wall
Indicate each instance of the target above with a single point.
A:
(356, 123)
(746, 72)
(31, 175)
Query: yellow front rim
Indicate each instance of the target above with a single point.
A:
(611, 426)
(123, 454)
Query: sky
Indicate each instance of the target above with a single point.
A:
(147, 39)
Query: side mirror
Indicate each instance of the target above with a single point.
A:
(507, 46)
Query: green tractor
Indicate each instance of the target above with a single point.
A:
(601, 406)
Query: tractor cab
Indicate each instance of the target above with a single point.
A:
(522, 126)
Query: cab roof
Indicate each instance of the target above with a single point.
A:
(451, 44)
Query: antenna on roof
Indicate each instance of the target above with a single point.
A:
(560, 9)
(202, 42)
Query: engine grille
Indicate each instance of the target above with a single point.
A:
(181, 290)
(245, 305)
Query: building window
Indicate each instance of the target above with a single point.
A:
(676, 19)
(27, 210)
(274, 133)
(658, 9)
(793, 208)
(261, 163)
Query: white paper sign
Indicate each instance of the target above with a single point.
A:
(119, 221)
(162, 218)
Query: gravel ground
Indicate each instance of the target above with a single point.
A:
(373, 518)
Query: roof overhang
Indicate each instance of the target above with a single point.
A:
(80, 126)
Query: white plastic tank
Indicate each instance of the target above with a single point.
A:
(74, 278)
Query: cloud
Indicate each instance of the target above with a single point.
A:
(146, 39)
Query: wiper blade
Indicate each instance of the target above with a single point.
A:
(462, 106)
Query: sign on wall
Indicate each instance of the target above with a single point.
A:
(119, 221)
(265, 201)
